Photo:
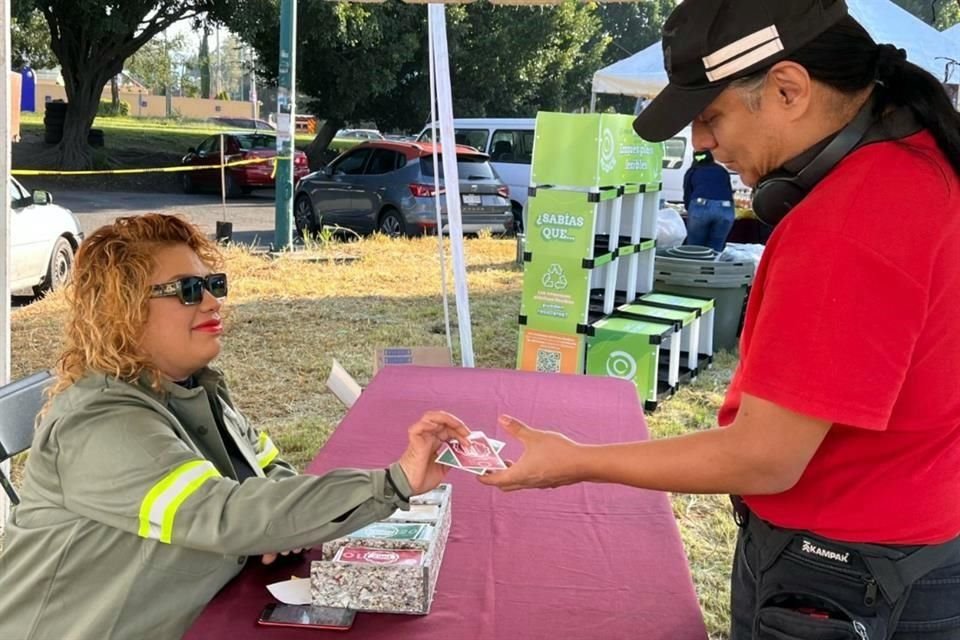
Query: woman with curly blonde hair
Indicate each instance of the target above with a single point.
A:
(146, 488)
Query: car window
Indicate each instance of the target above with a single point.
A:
(469, 168)
(384, 161)
(16, 191)
(476, 138)
(352, 163)
(16, 195)
(513, 146)
(673, 150)
(248, 142)
(209, 145)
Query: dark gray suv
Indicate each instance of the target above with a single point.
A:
(388, 186)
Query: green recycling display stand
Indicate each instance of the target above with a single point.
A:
(630, 349)
(687, 321)
(635, 274)
(580, 245)
(550, 352)
(705, 308)
(567, 223)
(591, 151)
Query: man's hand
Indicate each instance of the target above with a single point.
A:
(426, 437)
(549, 460)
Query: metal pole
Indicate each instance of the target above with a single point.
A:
(223, 183)
(286, 124)
(5, 221)
(451, 178)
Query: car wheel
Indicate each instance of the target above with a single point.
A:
(392, 224)
(517, 218)
(231, 187)
(61, 263)
(186, 181)
(304, 217)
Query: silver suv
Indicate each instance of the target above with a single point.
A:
(388, 186)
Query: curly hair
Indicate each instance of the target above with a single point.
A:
(109, 292)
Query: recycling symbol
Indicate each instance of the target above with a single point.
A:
(554, 278)
(608, 157)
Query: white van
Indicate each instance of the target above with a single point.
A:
(509, 143)
(677, 158)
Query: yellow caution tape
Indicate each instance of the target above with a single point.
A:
(238, 163)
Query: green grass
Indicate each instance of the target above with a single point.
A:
(290, 316)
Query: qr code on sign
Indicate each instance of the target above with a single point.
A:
(548, 361)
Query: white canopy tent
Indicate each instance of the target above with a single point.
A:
(642, 74)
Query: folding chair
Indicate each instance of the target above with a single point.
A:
(20, 401)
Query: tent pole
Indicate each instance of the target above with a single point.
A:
(5, 222)
(451, 179)
(593, 102)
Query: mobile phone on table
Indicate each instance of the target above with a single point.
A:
(304, 615)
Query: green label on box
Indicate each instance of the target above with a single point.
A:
(555, 294)
(587, 150)
(560, 223)
(621, 348)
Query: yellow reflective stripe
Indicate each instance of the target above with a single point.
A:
(266, 450)
(159, 508)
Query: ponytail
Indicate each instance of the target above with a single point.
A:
(904, 84)
(899, 82)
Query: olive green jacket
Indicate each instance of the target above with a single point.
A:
(132, 518)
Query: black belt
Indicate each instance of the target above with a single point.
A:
(895, 568)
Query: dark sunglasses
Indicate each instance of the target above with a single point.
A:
(190, 288)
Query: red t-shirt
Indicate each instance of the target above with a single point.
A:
(854, 317)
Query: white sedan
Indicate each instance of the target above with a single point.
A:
(44, 238)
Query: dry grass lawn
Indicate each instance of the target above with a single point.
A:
(287, 317)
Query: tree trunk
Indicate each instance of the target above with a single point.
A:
(115, 95)
(204, 60)
(317, 153)
(83, 96)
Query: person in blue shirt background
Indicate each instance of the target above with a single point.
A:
(708, 197)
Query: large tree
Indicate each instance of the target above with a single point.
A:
(368, 62)
(153, 64)
(938, 13)
(91, 40)
(30, 41)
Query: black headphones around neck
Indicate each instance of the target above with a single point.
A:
(779, 192)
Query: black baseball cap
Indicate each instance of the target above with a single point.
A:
(707, 44)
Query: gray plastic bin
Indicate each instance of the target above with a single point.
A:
(726, 282)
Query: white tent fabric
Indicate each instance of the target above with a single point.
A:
(642, 74)
(954, 34)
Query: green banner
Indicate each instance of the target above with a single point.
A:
(560, 223)
(556, 292)
(592, 150)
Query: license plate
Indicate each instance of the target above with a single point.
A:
(472, 200)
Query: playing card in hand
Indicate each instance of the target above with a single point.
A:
(479, 456)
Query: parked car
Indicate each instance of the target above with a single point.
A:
(359, 134)
(389, 187)
(44, 238)
(509, 143)
(242, 123)
(240, 145)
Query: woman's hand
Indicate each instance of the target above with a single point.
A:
(270, 558)
(425, 439)
(549, 460)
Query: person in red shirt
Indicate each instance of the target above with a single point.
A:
(841, 426)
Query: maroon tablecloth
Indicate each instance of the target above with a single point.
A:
(582, 562)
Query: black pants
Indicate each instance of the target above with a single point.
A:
(822, 586)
